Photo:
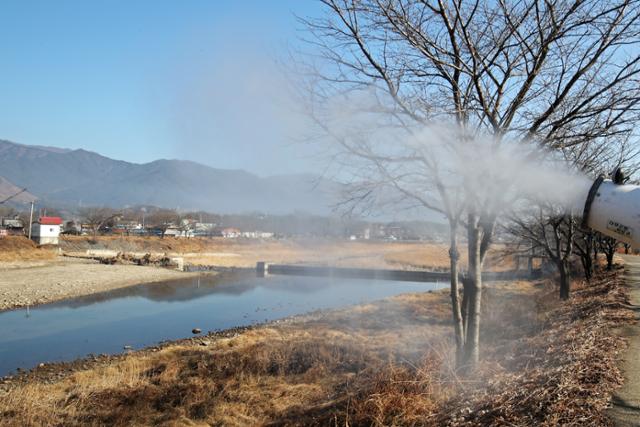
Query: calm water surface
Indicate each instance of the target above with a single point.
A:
(144, 315)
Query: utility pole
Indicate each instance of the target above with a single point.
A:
(30, 219)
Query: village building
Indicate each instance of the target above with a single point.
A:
(12, 226)
(231, 233)
(72, 227)
(46, 230)
(204, 229)
(171, 232)
(126, 228)
(178, 232)
(257, 235)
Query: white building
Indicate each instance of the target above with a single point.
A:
(231, 233)
(46, 230)
(172, 232)
(257, 235)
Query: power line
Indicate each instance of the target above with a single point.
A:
(11, 197)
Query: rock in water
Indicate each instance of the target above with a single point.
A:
(196, 330)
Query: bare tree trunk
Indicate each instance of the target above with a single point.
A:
(472, 341)
(610, 254)
(465, 312)
(455, 294)
(587, 266)
(587, 262)
(609, 245)
(565, 281)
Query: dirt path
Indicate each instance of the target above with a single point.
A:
(626, 401)
(41, 282)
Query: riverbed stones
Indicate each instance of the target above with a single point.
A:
(196, 331)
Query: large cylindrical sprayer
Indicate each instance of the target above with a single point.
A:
(613, 208)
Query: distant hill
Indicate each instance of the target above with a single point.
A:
(8, 189)
(69, 178)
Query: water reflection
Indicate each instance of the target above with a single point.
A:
(147, 314)
(172, 290)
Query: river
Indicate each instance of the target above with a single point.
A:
(145, 315)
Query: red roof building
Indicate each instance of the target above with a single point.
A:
(50, 220)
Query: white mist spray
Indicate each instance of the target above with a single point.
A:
(443, 166)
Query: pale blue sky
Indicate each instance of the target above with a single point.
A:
(141, 80)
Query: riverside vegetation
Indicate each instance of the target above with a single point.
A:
(545, 362)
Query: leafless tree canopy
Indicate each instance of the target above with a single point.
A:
(97, 217)
(564, 74)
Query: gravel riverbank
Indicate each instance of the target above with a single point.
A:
(28, 284)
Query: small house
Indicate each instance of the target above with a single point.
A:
(46, 230)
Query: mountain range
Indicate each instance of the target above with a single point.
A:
(72, 178)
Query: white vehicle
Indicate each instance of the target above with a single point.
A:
(613, 208)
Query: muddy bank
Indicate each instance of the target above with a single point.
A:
(34, 283)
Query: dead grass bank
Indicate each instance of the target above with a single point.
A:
(544, 363)
(19, 248)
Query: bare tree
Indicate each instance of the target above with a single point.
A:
(561, 73)
(97, 217)
(609, 247)
(584, 247)
(551, 230)
(162, 219)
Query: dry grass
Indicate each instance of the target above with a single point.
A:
(246, 252)
(436, 256)
(386, 363)
(18, 248)
(562, 373)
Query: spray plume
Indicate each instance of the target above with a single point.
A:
(443, 167)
